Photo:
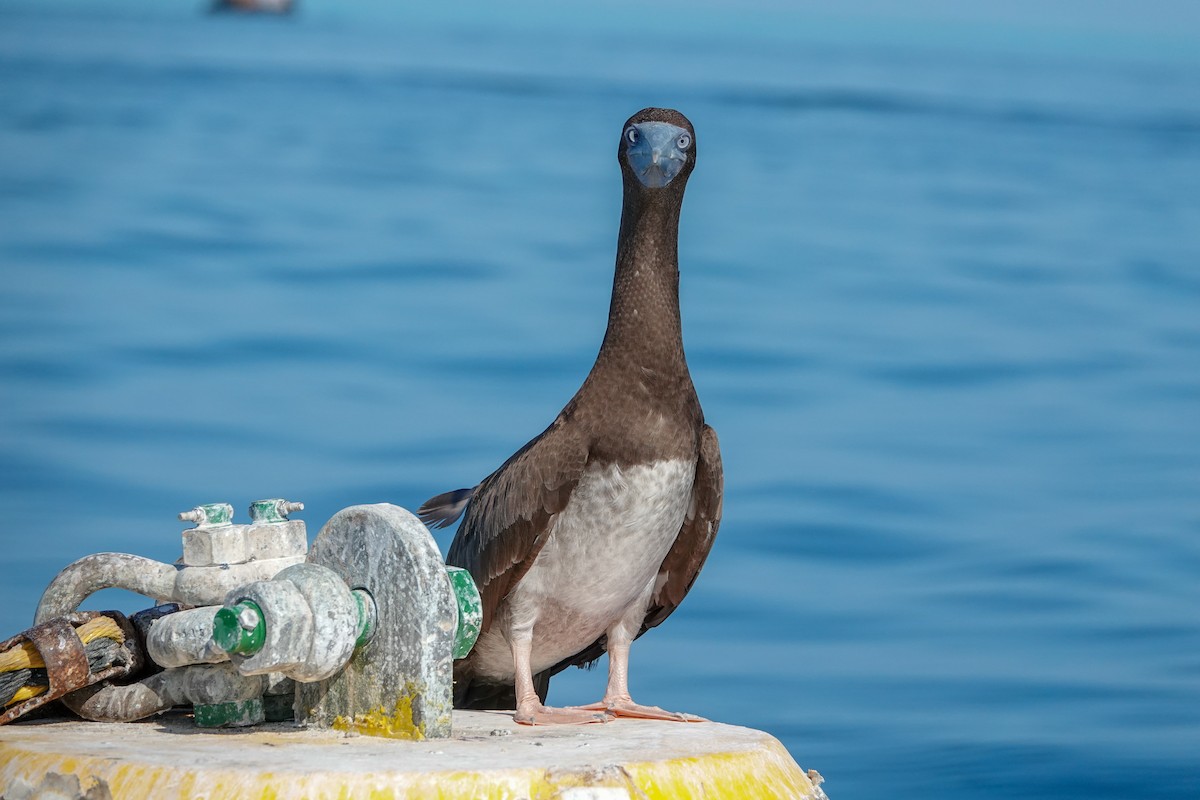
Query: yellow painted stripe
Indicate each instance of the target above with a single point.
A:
(768, 772)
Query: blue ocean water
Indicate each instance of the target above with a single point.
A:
(941, 300)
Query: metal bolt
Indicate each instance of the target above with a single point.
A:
(240, 628)
(209, 514)
(248, 619)
(272, 511)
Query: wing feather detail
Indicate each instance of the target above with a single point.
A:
(510, 514)
(686, 557)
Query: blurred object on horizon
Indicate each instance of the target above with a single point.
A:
(253, 6)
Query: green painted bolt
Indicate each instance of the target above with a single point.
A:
(273, 510)
(234, 714)
(240, 629)
(209, 515)
(470, 610)
(367, 616)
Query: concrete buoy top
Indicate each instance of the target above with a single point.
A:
(488, 756)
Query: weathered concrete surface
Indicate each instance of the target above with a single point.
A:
(488, 756)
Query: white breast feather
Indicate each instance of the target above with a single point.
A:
(600, 562)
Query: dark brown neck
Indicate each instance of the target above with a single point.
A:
(643, 318)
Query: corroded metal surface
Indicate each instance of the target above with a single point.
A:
(218, 556)
(209, 515)
(79, 580)
(199, 684)
(183, 638)
(374, 581)
(273, 510)
(399, 683)
(310, 623)
(237, 544)
(66, 660)
(287, 626)
(193, 586)
(335, 621)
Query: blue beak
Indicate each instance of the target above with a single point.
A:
(656, 151)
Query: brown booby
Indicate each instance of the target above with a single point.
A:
(593, 533)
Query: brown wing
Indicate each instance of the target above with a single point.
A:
(510, 513)
(686, 556)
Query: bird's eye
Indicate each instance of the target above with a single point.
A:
(683, 142)
(632, 135)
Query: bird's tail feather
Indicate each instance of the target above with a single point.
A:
(443, 510)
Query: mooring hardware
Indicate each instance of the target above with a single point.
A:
(358, 632)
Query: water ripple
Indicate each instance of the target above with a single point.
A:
(390, 271)
(1176, 127)
(840, 541)
(985, 373)
(243, 351)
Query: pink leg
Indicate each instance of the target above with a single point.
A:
(616, 698)
(530, 710)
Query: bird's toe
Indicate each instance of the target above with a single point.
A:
(546, 715)
(628, 708)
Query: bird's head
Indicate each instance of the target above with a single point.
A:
(658, 147)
